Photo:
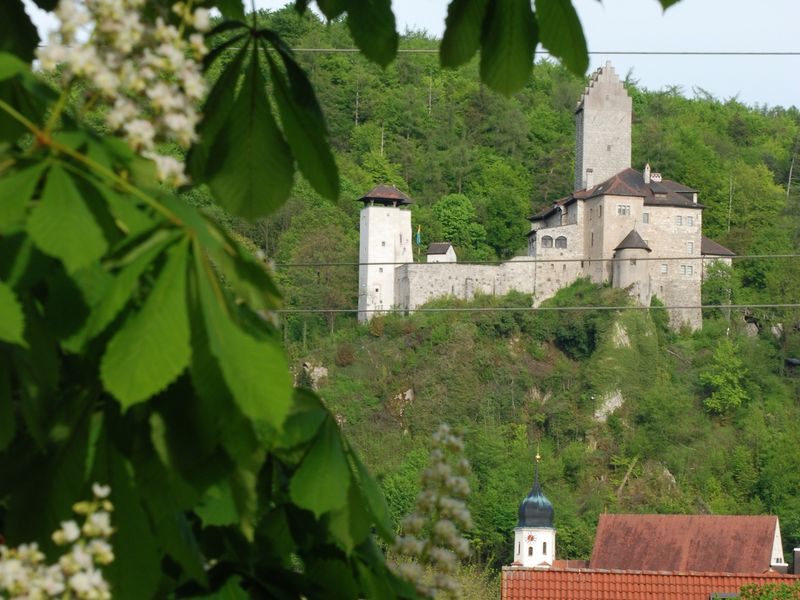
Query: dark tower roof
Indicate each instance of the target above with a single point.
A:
(633, 240)
(385, 194)
(535, 510)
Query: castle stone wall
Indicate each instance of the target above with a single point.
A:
(677, 250)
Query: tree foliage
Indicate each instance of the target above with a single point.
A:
(723, 378)
(138, 344)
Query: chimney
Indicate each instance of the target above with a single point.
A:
(647, 173)
(589, 181)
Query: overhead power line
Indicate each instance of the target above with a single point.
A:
(594, 52)
(535, 260)
(507, 309)
(543, 53)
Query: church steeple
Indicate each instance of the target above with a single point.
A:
(534, 535)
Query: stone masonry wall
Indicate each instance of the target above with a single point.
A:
(676, 250)
(603, 129)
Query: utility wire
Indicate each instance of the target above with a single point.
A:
(506, 309)
(711, 258)
(612, 52)
(544, 53)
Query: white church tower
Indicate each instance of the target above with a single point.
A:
(534, 535)
(385, 230)
(603, 129)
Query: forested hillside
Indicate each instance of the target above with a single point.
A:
(705, 422)
(477, 163)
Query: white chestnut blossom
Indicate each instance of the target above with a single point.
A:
(432, 544)
(24, 574)
(147, 73)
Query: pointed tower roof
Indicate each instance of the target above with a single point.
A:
(386, 194)
(633, 240)
(536, 510)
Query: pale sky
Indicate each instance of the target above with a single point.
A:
(690, 25)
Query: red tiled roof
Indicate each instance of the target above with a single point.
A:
(683, 543)
(589, 584)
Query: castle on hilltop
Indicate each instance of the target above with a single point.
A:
(633, 229)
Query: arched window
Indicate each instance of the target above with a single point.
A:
(547, 242)
(544, 548)
(561, 242)
(530, 550)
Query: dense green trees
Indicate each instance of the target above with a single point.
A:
(435, 133)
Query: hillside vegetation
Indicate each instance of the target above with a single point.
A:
(513, 380)
(630, 416)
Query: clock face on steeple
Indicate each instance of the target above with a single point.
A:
(531, 537)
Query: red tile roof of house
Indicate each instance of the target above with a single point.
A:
(588, 584)
(683, 543)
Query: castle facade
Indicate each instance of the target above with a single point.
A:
(630, 228)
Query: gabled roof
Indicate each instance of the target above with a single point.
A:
(633, 240)
(386, 194)
(630, 182)
(439, 248)
(706, 543)
(587, 584)
(711, 248)
(546, 212)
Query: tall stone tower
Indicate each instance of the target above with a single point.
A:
(534, 535)
(603, 129)
(385, 231)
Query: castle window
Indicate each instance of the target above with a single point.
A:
(678, 220)
(544, 548)
(592, 241)
(645, 217)
(690, 221)
(383, 243)
(590, 213)
(664, 268)
(530, 550)
(623, 209)
(600, 211)
(519, 548)
(380, 269)
(687, 269)
(689, 248)
(633, 261)
(561, 242)
(547, 242)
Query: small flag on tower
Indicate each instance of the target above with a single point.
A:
(419, 235)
